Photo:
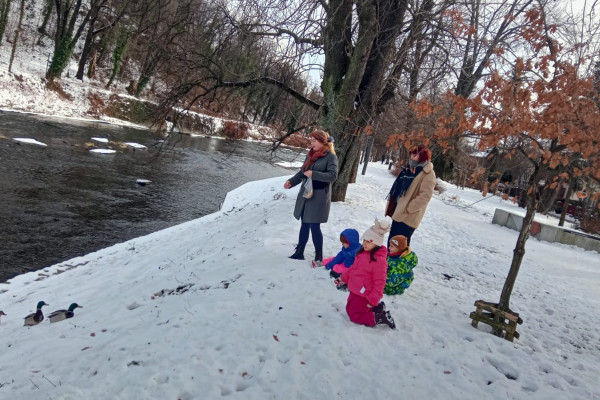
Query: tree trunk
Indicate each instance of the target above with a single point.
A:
(354, 171)
(152, 59)
(17, 33)
(4, 10)
(519, 251)
(348, 156)
(342, 78)
(565, 207)
(370, 141)
(92, 68)
(118, 53)
(48, 9)
(66, 35)
(87, 49)
(60, 58)
(551, 201)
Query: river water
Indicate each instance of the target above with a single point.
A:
(62, 201)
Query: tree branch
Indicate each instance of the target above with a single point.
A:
(278, 32)
(279, 141)
(294, 93)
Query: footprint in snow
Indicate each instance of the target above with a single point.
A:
(133, 306)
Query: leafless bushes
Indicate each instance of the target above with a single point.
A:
(297, 140)
(235, 130)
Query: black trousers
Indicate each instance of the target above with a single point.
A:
(400, 228)
(317, 236)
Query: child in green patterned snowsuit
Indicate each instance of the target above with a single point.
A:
(401, 261)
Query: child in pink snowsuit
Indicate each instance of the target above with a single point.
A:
(366, 279)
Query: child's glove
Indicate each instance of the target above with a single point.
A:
(339, 282)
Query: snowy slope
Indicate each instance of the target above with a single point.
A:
(214, 308)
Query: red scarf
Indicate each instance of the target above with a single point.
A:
(313, 156)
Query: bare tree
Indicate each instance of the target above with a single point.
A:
(579, 28)
(363, 45)
(47, 13)
(17, 34)
(65, 38)
(108, 16)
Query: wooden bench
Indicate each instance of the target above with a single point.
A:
(490, 314)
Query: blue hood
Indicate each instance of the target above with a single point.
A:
(352, 236)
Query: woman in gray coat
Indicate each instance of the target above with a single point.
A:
(321, 165)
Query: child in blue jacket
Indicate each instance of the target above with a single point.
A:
(343, 260)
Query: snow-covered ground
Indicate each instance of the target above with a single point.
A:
(215, 308)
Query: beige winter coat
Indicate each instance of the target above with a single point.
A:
(411, 207)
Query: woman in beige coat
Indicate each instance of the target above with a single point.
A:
(411, 192)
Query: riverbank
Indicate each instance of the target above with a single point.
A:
(213, 307)
(25, 90)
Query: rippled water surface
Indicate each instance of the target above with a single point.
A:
(62, 201)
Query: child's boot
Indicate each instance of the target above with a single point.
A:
(382, 316)
(343, 288)
(298, 254)
(379, 308)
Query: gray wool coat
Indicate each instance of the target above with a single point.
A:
(316, 209)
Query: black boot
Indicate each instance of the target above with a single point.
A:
(298, 254)
(383, 317)
(318, 254)
(379, 308)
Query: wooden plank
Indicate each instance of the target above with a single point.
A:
(482, 303)
(492, 316)
(508, 316)
(492, 308)
(488, 321)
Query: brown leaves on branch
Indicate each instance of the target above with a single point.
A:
(543, 110)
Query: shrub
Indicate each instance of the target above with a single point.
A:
(297, 140)
(235, 130)
(590, 223)
(136, 111)
(56, 87)
(96, 104)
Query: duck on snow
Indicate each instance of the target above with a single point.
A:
(59, 315)
(36, 317)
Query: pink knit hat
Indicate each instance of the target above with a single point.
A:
(376, 233)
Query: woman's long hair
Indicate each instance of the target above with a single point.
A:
(329, 143)
(331, 147)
